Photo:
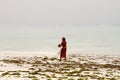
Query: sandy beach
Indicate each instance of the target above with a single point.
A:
(36, 34)
(77, 67)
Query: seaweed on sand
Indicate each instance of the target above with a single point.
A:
(13, 61)
(4, 74)
(15, 73)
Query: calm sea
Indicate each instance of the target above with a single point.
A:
(81, 39)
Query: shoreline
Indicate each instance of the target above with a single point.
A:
(43, 67)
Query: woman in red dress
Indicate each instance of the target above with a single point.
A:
(64, 48)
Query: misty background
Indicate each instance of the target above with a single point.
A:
(59, 12)
(90, 26)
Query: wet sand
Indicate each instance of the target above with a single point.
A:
(77, 67)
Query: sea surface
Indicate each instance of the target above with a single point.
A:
(81, 39)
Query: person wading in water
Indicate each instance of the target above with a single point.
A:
(63, 49)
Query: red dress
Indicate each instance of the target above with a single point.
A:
(63, 50)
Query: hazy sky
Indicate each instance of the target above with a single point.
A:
(59, 11)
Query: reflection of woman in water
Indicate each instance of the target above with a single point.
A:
(64, 49)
